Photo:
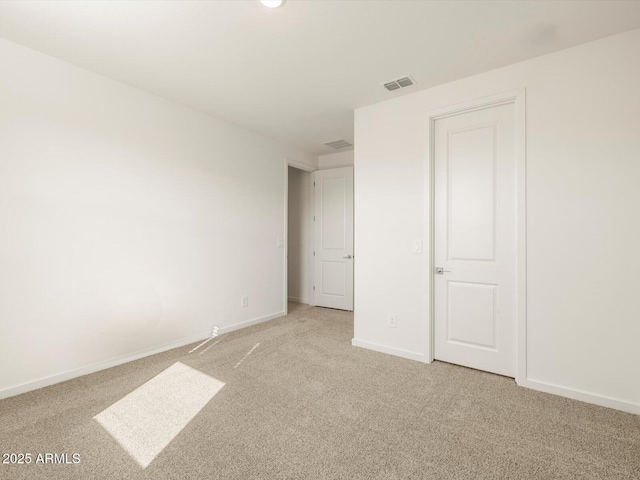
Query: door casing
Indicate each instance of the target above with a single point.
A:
(517, 98)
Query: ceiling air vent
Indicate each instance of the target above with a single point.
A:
(399, 83)
(405, 82)
(338, 144)
(391, 86)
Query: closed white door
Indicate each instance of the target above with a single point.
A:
(475, 239)
(333, 238)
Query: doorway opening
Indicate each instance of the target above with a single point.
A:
(318, 217)
(298, 265)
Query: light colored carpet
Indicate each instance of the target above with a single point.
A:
(305, 404)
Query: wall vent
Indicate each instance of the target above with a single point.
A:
(399, 83)
(338, 144)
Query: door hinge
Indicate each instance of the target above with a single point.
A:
(314, 288)
(314, 184)
(314, 218)
(314, 253)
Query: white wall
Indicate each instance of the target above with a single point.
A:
(127, 222)
(583, 221)
(336, 160)
(300, 236)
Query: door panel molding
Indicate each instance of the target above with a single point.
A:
(518, 99)
(454, 336)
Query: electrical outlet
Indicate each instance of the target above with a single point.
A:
(214, 331)
(393, 320)
(417, 246)
(281, 243)
(244, 301)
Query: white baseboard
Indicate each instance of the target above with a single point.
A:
(248, 323)
(541, 386)
(390, 350)
(96, 367)
(114, 362)
(298, 300)
(581, 395)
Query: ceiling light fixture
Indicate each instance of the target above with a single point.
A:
(272, 3)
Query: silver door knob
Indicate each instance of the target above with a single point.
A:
(441, 270)
(348, 256)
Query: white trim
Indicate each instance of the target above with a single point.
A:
(521, 179)
(429, 233)
(300, 166)
(517, 97)
(248, 323)
(96, 367)
(398, 352)
(312, 265)
(114, 362)
(299, 300)
(581, 395)
(312, 291)
(285, 307)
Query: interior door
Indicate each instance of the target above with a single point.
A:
(475, 239)
(333, 238)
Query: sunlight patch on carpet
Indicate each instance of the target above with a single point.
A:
(214, 334)
(212, 345)
(149, 418)
(246, 355)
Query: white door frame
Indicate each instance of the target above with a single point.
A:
(517, 98)
(307, 168)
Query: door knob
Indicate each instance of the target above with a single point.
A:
(348, 256)
(441, 270)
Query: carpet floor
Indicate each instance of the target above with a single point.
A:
(299, 401)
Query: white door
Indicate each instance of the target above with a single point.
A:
(476, 239)
(333, 238)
